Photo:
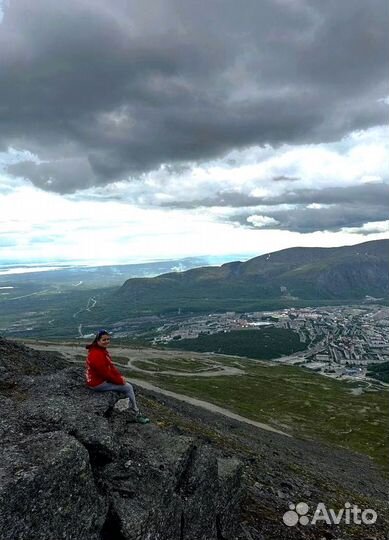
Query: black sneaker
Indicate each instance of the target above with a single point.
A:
(130, 415)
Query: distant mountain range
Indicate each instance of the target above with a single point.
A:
(43, 275)
(75, 301)
(349, 273)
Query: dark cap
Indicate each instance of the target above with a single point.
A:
(102, 332)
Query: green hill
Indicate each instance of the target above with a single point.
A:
(287, 277)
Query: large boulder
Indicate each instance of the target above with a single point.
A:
(47, 490)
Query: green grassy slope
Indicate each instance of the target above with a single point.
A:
(289, 398)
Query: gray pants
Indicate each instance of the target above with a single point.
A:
(126, 389)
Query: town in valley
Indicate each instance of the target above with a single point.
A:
(341, 341)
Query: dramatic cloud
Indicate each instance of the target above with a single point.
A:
(51, 174)
(102, 91)
(306, 220)
(331, 209)
(247, 178)
(133, 130)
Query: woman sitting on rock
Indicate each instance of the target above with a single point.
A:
(103, 376)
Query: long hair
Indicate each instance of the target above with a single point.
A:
(99, 334)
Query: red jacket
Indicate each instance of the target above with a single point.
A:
(100, 368)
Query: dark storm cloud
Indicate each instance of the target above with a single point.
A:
(374, 194)
(347, 207)
(108, 90)
(307, 220)
(55, 174)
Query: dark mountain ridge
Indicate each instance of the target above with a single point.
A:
(347, 273)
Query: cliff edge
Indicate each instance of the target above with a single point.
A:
(73, 466)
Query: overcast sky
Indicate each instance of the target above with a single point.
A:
(140, 129)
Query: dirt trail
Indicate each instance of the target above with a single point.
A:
(215, 368)
(205, 405)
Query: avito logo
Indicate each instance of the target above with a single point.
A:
(350, 513)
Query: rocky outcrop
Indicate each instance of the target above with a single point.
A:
(73, 466)
(48, 489)
(20, 360)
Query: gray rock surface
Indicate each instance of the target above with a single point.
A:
(75, 467)
(47, 490)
